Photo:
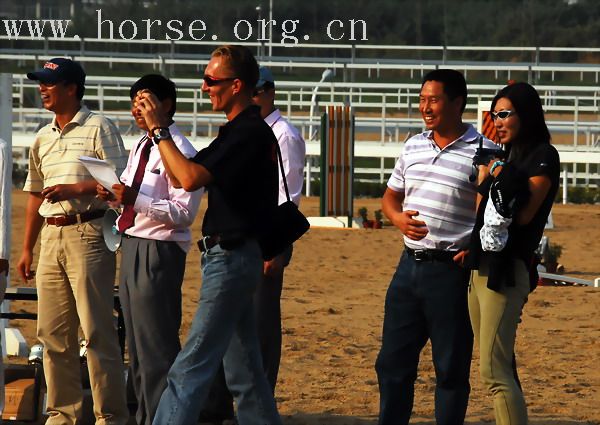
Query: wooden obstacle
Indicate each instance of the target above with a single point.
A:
(337, 162)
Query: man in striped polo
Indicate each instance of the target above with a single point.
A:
(76, 271)
(431, 199)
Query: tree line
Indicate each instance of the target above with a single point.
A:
(562, 23)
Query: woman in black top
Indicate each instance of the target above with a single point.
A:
(515, 199)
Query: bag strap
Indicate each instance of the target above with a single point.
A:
(287, 192)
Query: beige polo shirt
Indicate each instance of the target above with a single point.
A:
(54, 158)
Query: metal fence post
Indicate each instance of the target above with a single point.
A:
(565, 183)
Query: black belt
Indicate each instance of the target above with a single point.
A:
(209, 242)
(430, 254)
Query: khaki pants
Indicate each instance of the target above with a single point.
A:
(75, 279)
(494, 318)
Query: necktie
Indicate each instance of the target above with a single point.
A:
(128, 216)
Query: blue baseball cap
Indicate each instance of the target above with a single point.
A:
(264, 77)
(59, 69)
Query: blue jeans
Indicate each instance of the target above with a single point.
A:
(425, 300)
(267, 309)
(223, 330)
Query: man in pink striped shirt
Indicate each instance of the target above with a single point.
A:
(155, 225)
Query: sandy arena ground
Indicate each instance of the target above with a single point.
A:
(333, 310)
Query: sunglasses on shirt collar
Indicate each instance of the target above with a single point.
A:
(501, 114)
(213, 81)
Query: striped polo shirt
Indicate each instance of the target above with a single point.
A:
(436, 183)
(54, 158)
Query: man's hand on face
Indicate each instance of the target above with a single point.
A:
(124, 194)
(151, 109)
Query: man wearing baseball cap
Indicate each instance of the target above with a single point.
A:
(76, 271)
(59, 70)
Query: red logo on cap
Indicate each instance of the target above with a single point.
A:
(51, 66)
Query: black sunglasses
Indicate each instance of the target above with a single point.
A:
(213, 81)
(501, 114)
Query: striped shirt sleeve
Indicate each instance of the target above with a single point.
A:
(396, 181)
(35, 177)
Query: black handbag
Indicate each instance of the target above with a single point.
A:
(287, 225)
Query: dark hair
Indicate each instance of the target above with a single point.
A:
(160, 86)
(528, 107)
(453, 81)
(242, 63)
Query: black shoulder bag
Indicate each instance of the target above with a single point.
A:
(287, 225)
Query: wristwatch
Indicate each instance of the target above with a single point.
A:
(160, 133)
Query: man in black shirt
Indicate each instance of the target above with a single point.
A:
(239, 170)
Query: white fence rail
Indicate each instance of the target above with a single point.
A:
(385, 112)
(523, 62)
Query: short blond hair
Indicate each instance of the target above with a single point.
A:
(241, 61)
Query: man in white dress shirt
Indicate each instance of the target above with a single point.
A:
(268, 293)
(155, 224)
(5, 188)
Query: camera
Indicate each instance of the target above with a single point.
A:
(484, 155)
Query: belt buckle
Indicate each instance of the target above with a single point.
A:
(420, 255)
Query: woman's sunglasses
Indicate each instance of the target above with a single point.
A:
(501, 114)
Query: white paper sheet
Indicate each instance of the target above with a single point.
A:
(102, 171)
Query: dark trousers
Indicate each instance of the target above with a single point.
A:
(267, 308)
(150, 292)
(425, 300)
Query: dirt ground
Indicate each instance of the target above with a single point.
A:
(332, 307)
